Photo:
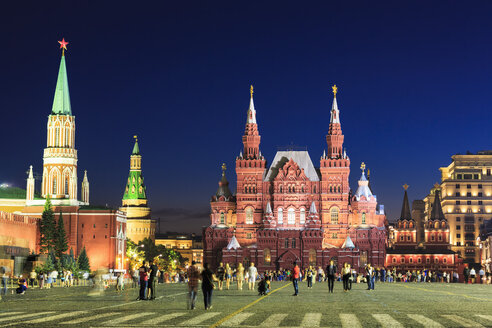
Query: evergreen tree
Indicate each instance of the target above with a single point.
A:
(47, 228)
(83, 261)
(61, 245)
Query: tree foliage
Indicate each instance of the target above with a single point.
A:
(83, 261)
(61, 244)
(47, 227)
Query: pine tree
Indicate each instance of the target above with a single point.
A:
(83, 261)
(61, 245)
(47, 228)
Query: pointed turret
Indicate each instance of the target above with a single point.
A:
(251, 137)
(223, 189)
(334, 139)
(363, 189)
(135, 191)
(312, 209)
(348, 243)
(85, 189)
(233, 243)
(268, 209)
(136, 150)
(30, 185)
(437, 213)
(251, 111)
(61, 102)
(405, 209)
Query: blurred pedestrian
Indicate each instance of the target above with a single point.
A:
(208, 286)
(193, 276)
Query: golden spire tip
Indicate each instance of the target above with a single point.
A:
(405, 186)
(335, 90)
(251, 91)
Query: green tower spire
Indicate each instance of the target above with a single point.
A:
(61, 102)
(135, 188)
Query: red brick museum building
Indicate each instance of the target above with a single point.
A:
(292, 211)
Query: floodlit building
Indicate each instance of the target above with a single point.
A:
(189, 246)
(291, 211)
(466, 186)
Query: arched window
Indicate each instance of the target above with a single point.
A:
(302, 218)
(291, 216)
(254, 190)
(249, 189)
(66, 184)
(436, 260)
(249, 215)
(267, 259)
(281, 188)
(290, 189)
(334, 215)
(286, 243)
(436, 225)
(57, 136)
(410, 260)
(293, 243)
(302, 189)
(222, 218)
(393, 260)
(331, 189)
(312, 257)
(54, 186)
(280, 216)
(245, 189)
(444, 260)
(67, 134)
(402, 260)
(314, 189)
(363, 217)
(339, 188)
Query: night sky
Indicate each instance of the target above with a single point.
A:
(414, 82)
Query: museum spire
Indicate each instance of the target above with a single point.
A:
(405, 209)
(251, 137)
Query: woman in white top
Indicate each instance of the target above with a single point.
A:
(252, 272)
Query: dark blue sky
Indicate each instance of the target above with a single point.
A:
(414, 82)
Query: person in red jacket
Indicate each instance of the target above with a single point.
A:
(295, 278)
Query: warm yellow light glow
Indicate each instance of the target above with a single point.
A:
(463, 210)
(463, 194)
(449, 194)
(449, 210)
(488, 194)
(474, 194)
(475, 210)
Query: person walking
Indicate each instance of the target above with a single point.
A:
(252, 272)
(228, 275)
(193, 276)
(208, 286)
(370, 276)
(466, 273)
(240, 276)
(481, 273)
(296, 275)
(154, 270)
(346, 272)
(32, 277)
(4, 272)
(331, 271)
(473, 275)
(220, 274)
(310, 274)
(144, 279)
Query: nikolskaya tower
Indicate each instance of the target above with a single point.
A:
(60, 155)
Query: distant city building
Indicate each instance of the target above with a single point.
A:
(293, 211)
(417, 246)
(466, 186)
(135, 203)
(189, 246)
(100, 230)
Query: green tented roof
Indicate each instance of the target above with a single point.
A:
(136, 150)
(61, 102)
(135, 188)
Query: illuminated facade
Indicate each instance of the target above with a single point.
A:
(466, 186)
(190, 247)
(134, 203)
(416, 246)
(293, 211)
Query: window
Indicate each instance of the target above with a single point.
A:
(314, 189)
(334, 215)
(458, 235)
(402, 260)
(419, 260)
(457, 186)
(468, 186)
(281, 188)
(480, 194)
(458, 227)
(410, 260)
(248, 235)
(93, 236)
(444, 260)
(293, 243)
(459, 176)
(488, 172)
(468, 202)
(266, 256)
(470, 236)
(82, 236)
(458, 243)
(94, 225)
(468, 194)
(286, 243)
(280, 216)
(66, 185)
(428, 260)
(467, 176)
(106, 225)
(408, 238)
(475, 176)
(480, 186)
(334, 235)
(393, 260)
(439, 237)
(480, 202)
(436, 260)
(82, 225)
(222, 218)
(249, 215)
(457, 194)
(302, 218)
(433, 237)
(291, 216)
(105, 236)
(458, 219)
(54, 186)
(401, 238)
(469, 219)
(458, 202)
(363, 218)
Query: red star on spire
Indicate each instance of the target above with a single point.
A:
(63, 44)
